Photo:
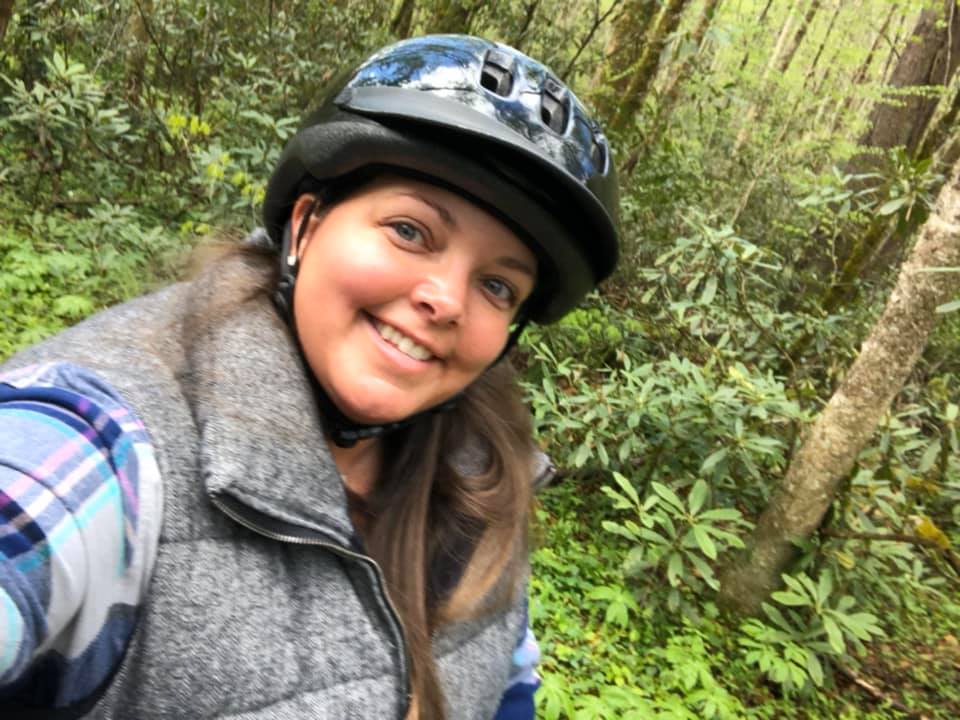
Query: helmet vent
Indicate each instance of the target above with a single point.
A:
(554, 105)
(598, 154)
(497, 73)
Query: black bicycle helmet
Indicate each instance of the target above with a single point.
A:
(487, 121)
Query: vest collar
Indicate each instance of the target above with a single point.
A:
(261, 437)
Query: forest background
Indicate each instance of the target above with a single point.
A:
(756, 519)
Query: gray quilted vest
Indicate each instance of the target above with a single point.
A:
(262, 604)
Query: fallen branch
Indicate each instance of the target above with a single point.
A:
(879, 695)
(951, 557)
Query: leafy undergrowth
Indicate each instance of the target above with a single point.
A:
(58, 267)
(921, 672)
(608, 652)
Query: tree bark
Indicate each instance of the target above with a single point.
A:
(646, 69)
(895, 43)
(928, 61)
(6, 12)
(794, 116)
(783, 54)
(669, 94)
(529, 12)
(453, 16)
(598, 20)
(812, 70)
(623, 52)
(830, 448)
(860, 76)
(760, 19)
(138, 46)
(403, 20)
(788, 52)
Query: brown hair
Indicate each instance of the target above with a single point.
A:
(447, 518)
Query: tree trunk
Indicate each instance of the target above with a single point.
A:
(812, 70)
(792, 118)
(860, 76)
(830, 448)
(892, 55)
(669, 94)
(940, 133)
(529, 12)
(453, 16)
(786, 56)
(6, 12)
(403, 20)
(783, 54)
(760, 19)
(598, 20)
(646, 69)
(623, 52)
(138, 46)
(929, 60)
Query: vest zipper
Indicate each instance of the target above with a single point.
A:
(227, 507)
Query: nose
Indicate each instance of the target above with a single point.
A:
(441, 298)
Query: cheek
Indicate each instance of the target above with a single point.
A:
(354, 281)
(484, 341)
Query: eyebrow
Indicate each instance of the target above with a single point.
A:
(516, 264)
(444, 214)
(447, 217)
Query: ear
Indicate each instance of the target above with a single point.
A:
(303, 212)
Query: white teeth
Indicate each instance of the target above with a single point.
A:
(402, 342)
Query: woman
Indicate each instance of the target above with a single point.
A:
(341, 464)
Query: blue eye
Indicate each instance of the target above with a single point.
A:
(500, 289)
(408, 232)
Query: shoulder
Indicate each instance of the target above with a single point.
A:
(80, 513)
(69, 431)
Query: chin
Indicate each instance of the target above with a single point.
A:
(374, 413)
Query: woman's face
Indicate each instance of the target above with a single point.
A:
(405, 295)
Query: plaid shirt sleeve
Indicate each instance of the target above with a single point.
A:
(80, 509)
(517, 702)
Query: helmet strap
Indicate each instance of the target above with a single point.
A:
(290, 266)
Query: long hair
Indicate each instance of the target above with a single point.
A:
(447, 518)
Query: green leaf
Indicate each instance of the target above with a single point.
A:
(948, 307)
(892, 206)
(834, 635)
(709, 290)
(706, 572)
(583, 454)
(705, 542)
(620, 502)
(863, 625)
(653, 536)
(72, 306)
(785, 597)
(794, 583)
(667, 494)
(721, 514)
(698, 496)
(617, 529)
(814, 668)
(930, 456)
(712, 460)
(629, 490)
(674, 568)
(825, 585)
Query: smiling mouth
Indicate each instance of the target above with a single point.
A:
(401, 342)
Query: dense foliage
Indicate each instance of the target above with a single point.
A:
(674, 400)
